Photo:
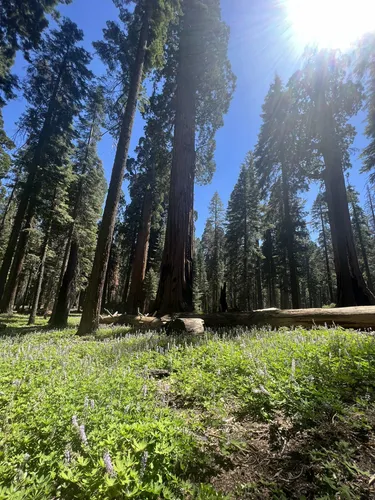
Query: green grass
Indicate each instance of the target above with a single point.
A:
(243, 414)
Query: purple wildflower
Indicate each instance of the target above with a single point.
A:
(75, 422)
(108, 464)
(82, 434)
(144, 462)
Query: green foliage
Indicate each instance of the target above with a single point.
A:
(82, 417)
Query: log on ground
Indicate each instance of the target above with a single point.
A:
(347, 317)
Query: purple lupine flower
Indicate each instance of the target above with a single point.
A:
(144, 462)
(82, 434)
(75, 422)
(108, 464)
(67, 456)
(86, 403)
(145, 390)
(293, 367)
(92, 404)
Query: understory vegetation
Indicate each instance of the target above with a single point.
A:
(232, 414)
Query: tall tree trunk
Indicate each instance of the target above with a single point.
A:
(363, 248)
(26, 294)
(9, 295)
(129, 268)
(258, 271)
(175, 292)
(294, 285)
(328, 267)
(40, 276)
(66, 292)
(371, 208)
(30, 190)
(93, 300)
(136, 294)
(62, 272)
(351, 287)
(7, 207)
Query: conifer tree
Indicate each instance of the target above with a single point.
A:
(213, 243)
(243, 234)
(86, 195)
(146, 30)
(325, 98)
(55, 87)
(204, 86)
(362, 236)
(277, 159)
(320, 223)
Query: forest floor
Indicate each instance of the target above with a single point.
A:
(235, 414)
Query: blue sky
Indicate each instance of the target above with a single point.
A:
(261, 45)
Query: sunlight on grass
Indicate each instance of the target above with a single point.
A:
(88, 418)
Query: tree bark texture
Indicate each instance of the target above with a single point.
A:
(175, 292)
(351, 287)
(30, 188)
(328, 267)
(92, 306)
(346, 317)
(39, 278)
(136, 294)
(66, 291)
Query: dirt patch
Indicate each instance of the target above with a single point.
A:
(335, 459)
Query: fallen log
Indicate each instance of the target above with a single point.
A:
(347, 317)
(192, 326)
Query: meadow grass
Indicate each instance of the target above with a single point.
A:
(232, 414)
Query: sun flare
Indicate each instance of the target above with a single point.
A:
(334, 24)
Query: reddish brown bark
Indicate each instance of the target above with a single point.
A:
(136, 294)
(351, 287)
(175, 291)
(93, 299)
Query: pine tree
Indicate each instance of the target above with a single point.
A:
(151, 20)
(320, 223)
(200, 283)
(204, 86)
(86, 198)
(213, 243)
(243, 234)
(277, 159)
(55, 87)
(362, 236)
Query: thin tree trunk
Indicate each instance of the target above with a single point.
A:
(136, 294)
(39, 278)
(91, 311)
(351, 287)
(371, 207)
(66, 292)
(363, 248)
(25, 297)
(258, 272)
(328, 267)
(294, 285)
(7, 207)
(175, 292)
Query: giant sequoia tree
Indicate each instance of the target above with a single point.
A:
(327, 98)
(205, 84)
(54, 89)
(146, 29)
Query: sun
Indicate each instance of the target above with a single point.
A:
(333, 24)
